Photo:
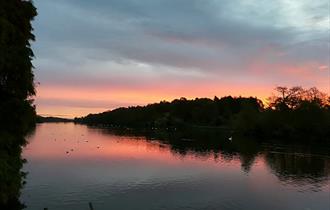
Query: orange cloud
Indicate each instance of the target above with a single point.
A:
(259, 80)
(78, 101)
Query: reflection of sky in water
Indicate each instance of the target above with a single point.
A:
(118, 172)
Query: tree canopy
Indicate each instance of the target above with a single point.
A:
(17, 112)
(16, 75)
(291, 113)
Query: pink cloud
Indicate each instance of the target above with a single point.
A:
(323, 67)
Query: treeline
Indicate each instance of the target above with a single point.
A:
(200, 111)
(17, 112)
(41, 119)
(291, 113)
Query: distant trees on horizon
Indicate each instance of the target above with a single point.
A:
(290, 113)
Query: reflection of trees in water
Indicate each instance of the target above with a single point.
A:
(247, 161)
(11, 176)
(214, 144)
(299, 168)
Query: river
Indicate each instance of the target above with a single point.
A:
(70, 165)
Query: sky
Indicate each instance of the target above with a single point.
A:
(93, 56)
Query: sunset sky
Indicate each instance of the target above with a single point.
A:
(92, 56)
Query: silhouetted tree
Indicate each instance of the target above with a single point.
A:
(17, 113)
(291, 98)
(292, 113)
(16, 76)
(297, 113)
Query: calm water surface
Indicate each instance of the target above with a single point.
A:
(70, 165)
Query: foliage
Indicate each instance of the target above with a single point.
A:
(292, 113)
(297, 113)
(17, 113)
(200, 112)
(16, 76)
